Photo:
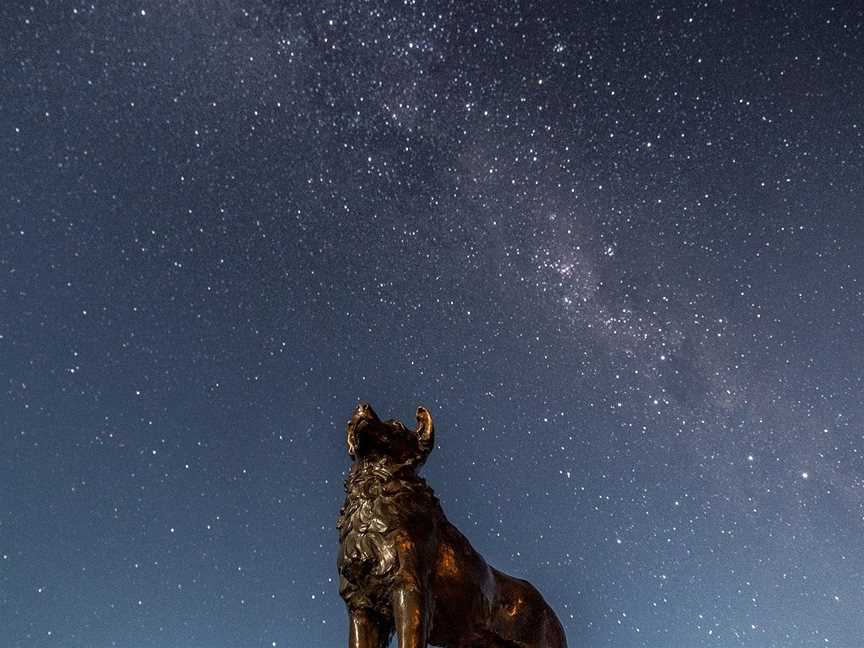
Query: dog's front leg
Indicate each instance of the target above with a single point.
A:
(410, 615)
(366, 630)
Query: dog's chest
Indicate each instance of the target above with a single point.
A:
(367, 558)
(368, 517)
(381, 506)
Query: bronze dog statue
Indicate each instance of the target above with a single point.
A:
(403, 567)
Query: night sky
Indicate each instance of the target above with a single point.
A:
(617, 249)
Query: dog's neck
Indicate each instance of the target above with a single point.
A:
(383, 468)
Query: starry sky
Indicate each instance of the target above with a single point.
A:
(615, 248)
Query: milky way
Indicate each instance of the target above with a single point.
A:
(615, 248)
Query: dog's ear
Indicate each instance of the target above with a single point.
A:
(425, 432)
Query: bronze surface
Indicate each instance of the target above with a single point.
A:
(404, 568)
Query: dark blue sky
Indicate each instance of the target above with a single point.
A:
(615, 248)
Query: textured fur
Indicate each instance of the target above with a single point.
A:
(377, 504)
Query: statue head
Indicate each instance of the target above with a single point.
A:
(370, 438)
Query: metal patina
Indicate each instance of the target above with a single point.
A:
(404, 568)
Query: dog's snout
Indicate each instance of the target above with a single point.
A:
(361, 412)
(364, 412)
